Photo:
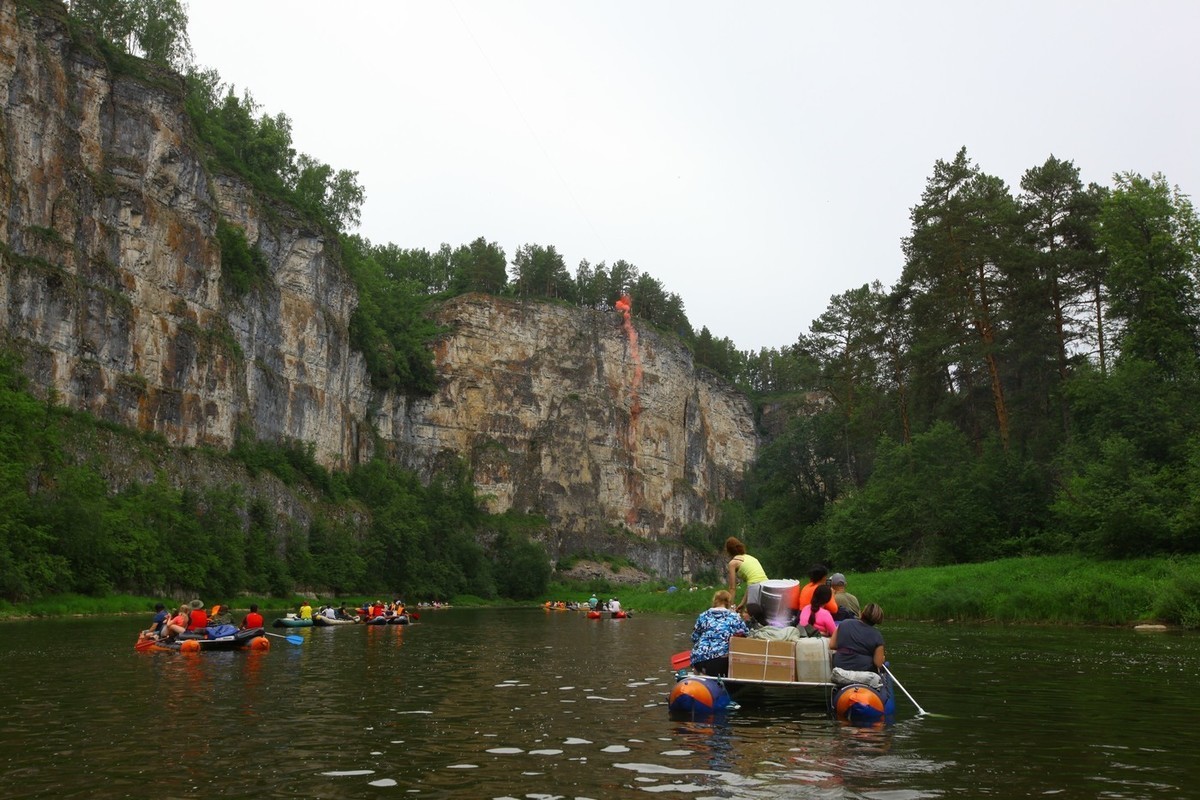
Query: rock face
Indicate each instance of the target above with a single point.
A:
(110, 285)
(545, 403)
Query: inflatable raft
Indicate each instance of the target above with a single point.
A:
(196, 642)
(794, 669)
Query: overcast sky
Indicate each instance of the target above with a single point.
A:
(756, 158)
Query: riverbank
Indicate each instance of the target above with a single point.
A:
(1041, 590)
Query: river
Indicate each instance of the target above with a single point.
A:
(533, 704)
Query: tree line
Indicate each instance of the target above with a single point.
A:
(1026, 387)
(377, 528)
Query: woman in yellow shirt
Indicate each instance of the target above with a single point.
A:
(745, 567)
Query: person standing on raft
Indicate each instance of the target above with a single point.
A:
(745, 567)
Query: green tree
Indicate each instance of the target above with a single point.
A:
(846, 340)
(523, 570)
(480, 266)
(621, 276)
(963, 233)
(1152, 237)
(540, 272)
(1060, 220)
(929, 502)
(153, 29)
(334, 196)
(591, 285)
(389, 326)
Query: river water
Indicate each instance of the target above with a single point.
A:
(535, 704)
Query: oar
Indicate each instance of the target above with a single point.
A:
(920, 711)
(681, 660)
(294, 639)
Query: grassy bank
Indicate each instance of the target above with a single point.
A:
(77, 605)
(1051, 589)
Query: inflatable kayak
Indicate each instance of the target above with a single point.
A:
(197, 642)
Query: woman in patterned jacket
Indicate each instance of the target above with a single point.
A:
(710, 638)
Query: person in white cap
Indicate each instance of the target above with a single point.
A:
(847, 603)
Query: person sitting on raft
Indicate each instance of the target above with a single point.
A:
(857, 646)
(157, 624)
(178, 623)
(816, 613)
(253, 619)
(816, 577)
(219, 614)
(847, 604)
(197, 616)
(710, 637)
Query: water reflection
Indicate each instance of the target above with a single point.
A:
(525, 704)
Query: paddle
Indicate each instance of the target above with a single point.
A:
(681, 660)
(920, 711)
(294, 639)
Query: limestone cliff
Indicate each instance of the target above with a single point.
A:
(110, 284)
(544, 402)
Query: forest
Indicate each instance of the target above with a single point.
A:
(1025, 388)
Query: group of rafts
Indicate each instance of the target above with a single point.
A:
(378, 614)
(592, 612)
(216, 638)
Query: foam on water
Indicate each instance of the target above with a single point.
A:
(349, 773)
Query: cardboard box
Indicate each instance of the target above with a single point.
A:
(762, 660)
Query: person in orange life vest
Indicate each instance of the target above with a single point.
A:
(253, 619)
(197, 618)
(816, 577)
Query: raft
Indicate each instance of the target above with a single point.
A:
(292, 622)
(196, 642)
(322, 621)
(812, 677)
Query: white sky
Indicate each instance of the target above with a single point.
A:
(757, 158)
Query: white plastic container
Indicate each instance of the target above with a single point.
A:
(814, 660)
